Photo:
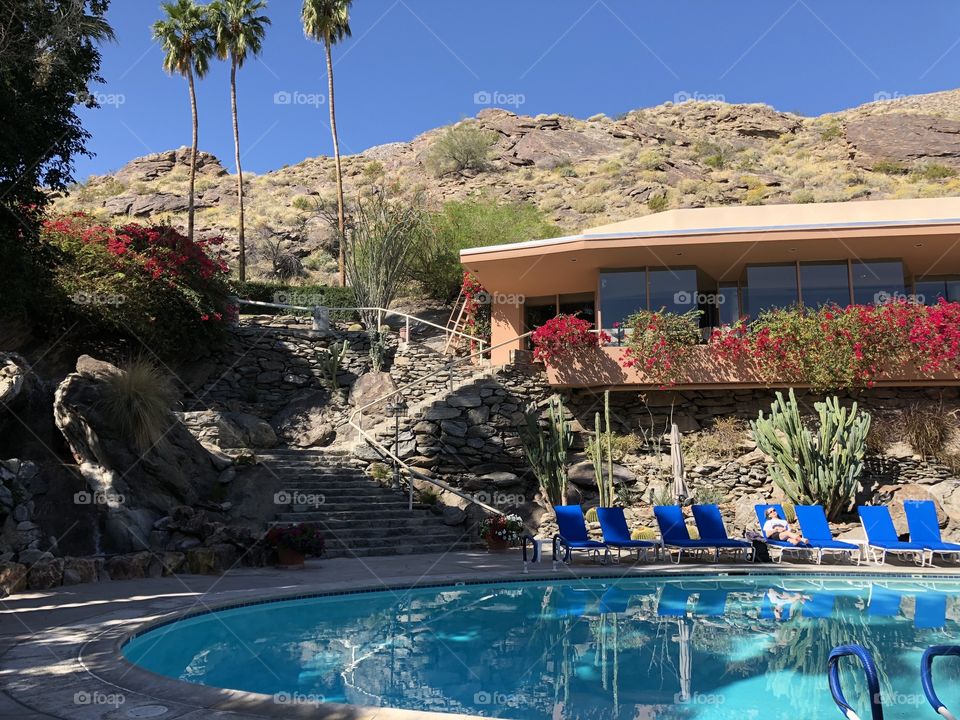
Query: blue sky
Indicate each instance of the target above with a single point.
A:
(415, 64)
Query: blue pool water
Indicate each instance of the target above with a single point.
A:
(738, 647)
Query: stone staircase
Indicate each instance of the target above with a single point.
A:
(358, 516)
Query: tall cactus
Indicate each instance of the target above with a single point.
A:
(822, 468)
(547, 449)
(330, 361)
(600, 450)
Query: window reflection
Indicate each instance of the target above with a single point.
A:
(824, 284)
(728, 304)
(673, 290)
(930, 290)
(621, 295)
(877, 281)
(768, 287)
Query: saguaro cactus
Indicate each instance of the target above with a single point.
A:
(547, 448)
(331, 359)
(822, 468)
(600, 450)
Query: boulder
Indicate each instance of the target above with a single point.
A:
(14, 375)
(79, 570)
(141, 485)
(582, 475)
(13, 578)
(500, 480)
(453, 516)
(370, 387)
(212, 560)
(46, 574)
(134, 565)
(893, 496)
(256, 433)
(304, 422)
(905, 138)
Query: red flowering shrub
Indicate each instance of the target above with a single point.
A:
(476, 310)
(660, 343)
(564, 334)
(834, 347)
(300, 538)
(150, 284)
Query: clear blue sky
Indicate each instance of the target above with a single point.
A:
(415, 64)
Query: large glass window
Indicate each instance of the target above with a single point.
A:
(824, 284)
(930, 290)
(621, 295)
(673, 290)
(579, 304)
(769, 286)
(728, 304)
(877, 281)
(537, 310)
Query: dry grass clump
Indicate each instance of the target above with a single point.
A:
(139, 399)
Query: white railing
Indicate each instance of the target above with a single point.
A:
(321, 317)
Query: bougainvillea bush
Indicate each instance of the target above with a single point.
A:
(833, 347)
(150, 285)
(563, 335)
(476, 309)
(660, 343)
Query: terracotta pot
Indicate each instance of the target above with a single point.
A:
(497, 545)
(290, 558)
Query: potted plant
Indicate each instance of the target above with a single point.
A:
(294, 542)
(501, 531)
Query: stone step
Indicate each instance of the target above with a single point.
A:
(351, 516)
(444, 542)
(336, 505)
(400, 549)
(367, 536)
(408, 519)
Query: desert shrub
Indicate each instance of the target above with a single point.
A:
(565, 170)
(596, 187)
(712, 154)
(588, 205)
(803, 197)
(139, 399)
(303, 203)
(927, 428)
(884, 431)
(461, 147)
(662, 495)
(936, 171)
(428, 496)
(889, 167)
(832, 131)
(436, 263)
(709, 494)
(755, 196)
(650, 159)
(303, 295)
(721, 442)
(149, 284)
(658, 203)
(373, 170)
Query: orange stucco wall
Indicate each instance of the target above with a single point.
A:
(506, 326)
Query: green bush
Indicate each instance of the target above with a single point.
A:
(436, 264)
(658, 203)
(305, 295)
(936, 171)
(889, 167)
(461, 147)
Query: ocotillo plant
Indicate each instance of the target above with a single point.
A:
(600, 450)
(814, 469)
(331, 360)
(547, 448)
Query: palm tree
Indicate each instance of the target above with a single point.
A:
(328, 21)
(184, 34)
(238, 31)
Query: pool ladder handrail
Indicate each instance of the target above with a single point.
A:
(873, 682)
(926, 676)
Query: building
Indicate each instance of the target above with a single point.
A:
(729, 262)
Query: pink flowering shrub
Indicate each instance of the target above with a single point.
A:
(563, 335)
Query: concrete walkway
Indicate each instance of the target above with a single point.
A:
(60, 649)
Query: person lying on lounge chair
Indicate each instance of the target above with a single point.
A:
(776, 528)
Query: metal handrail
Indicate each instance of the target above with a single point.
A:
(354, 422)
(381, 313)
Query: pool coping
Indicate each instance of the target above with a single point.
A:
(98, 656)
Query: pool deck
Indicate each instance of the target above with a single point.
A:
(60, 649)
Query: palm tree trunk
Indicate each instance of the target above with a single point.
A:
(236, 146)
(193, 154)
(341, 220)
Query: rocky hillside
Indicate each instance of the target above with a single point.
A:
(580, 172)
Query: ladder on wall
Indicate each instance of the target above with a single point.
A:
(456, 323)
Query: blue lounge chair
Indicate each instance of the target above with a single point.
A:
(925, 528)
(616, 534)
(673, 601)
(573, 535)
(884, 602)
(816, 529)
(780, 545)
(674, 532)
(820, 605)
(882, 536)
(711, 528)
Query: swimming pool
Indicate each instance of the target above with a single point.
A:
(692, 647)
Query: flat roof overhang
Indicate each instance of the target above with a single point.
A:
(570, 264)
